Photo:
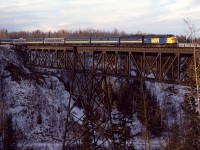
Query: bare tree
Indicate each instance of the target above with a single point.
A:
(191, 29)
(191, 116)
(191, 32)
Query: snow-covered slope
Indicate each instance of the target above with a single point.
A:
(37, 102)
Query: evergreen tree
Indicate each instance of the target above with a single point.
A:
(191, 140)
(174, 137)
(9, 141)
(39, 119)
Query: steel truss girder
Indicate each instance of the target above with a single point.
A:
(155, 66)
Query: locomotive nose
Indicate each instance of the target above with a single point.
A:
(172, 40)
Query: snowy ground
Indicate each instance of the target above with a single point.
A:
(39, 106)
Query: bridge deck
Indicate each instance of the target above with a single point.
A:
(181, 50)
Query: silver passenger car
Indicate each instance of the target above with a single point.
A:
(109, 40)
(19, 41)
(54, 41)
(77, 40)
(6, 41)
(35, 41)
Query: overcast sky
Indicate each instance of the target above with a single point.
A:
(131, 16)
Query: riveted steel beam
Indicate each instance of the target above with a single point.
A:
(155, 66)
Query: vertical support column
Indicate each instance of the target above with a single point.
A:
(196, 62)
(116, 60)
(69, 108)
(65, 59)
(160, 66)
(1, 105)
(172, 67)
(129, 64)
(93, 62)
(178, 63)
(84, 62)
(144, 101)
(104, 62)
(75, 57)
(143, 66)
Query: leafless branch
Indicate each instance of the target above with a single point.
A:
(191, 29)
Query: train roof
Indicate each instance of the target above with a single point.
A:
(148, 35)
(159, 35)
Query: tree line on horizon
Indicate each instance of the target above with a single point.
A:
(60, 33)
(5, 34)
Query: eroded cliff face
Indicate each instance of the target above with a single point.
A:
(36, 102)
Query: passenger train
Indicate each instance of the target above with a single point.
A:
(148, 40)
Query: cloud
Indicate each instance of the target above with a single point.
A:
(127, 15)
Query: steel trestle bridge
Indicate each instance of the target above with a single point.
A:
(90, 86)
